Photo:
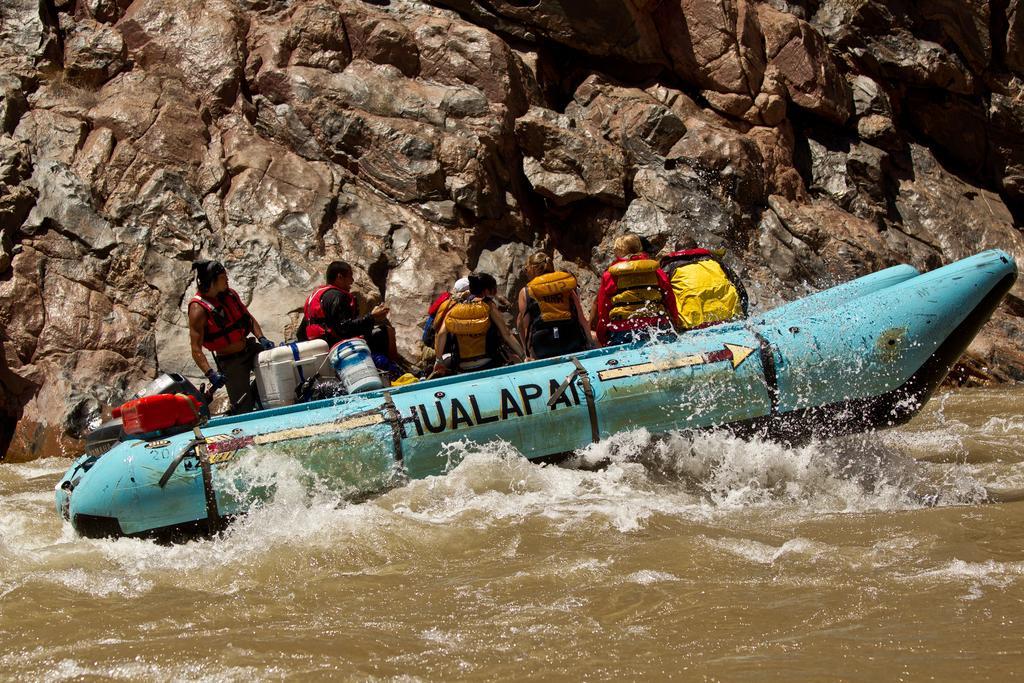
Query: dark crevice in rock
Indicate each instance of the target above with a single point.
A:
(379, 269)
(531, 204)
(8, 423)
(561, 70)
(478, 243)
(244, 90)
(900, 168)
(999, 27)
(802, 161)
(330, 217)
(1017, 211)
(15, 392)
(559, 74)
(49, 13)
(573, 230)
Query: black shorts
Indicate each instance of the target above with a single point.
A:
(557, 339)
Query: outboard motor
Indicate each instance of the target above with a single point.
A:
(108, 434)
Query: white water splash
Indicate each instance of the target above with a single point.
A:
(618, 485)
(975, 577)
(647, 577)
(763, 553)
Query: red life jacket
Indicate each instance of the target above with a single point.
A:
(317, 326)
(441, 298)
(227, 323)
(634, 294)
(688, 255)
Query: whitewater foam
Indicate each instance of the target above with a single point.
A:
(619, 484)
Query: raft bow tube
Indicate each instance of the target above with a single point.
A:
(860, 356)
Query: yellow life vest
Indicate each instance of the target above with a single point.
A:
(439, 316)
(638, 293)
(704, 294)
(553, 294)
(469, 322)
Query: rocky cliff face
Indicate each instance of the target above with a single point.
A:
(817, 140)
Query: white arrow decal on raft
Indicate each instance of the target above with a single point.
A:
(732, 352)
(739, 354)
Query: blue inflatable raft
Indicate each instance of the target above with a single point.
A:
(864, 355)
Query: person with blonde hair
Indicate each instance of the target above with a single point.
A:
(627, 245)
(635, 300)
(551, 321)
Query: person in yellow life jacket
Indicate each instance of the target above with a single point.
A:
(635, 300)
(219, 322)
(551, 321)
(706, 291)
(439, 309)
(475, 333)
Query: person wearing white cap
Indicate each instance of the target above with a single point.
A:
(440, 307)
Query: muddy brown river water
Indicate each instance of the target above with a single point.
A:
(706, 558)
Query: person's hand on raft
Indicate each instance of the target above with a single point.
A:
(217, 380)
(380, 313)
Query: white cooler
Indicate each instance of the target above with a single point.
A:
(280, 370)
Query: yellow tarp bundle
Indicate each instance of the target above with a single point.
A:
(704, 294)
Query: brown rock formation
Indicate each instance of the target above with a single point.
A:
(815, 140)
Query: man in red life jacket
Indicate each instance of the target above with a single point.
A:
(332, 314)
(219, 322)
(635, 299)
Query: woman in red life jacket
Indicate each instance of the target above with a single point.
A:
(635, 300)
(332, 314)
(219, 322)
(551, 321)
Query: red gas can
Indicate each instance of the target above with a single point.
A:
(156, 413)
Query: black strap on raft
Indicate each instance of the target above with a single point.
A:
(197, 447)
(395, 420)
(562, 387)
(588, 391)
(186, 452)
(212, 513)
(771, 378)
